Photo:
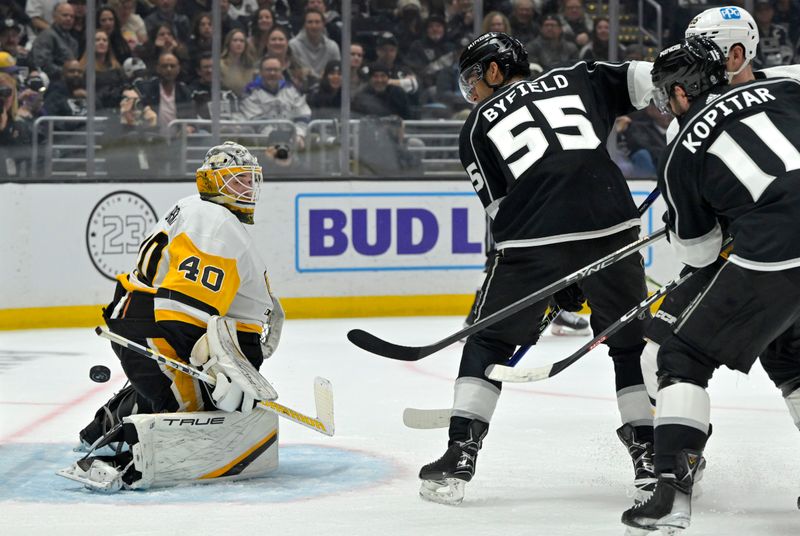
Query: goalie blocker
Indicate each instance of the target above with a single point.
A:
(168, 449)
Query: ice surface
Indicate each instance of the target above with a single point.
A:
(551, 464)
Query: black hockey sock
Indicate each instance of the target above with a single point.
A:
(627, 367)
(670, 440)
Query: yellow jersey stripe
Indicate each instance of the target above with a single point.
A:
(243, 458)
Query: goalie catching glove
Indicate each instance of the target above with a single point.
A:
(238, 386)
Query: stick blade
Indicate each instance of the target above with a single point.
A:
(374, 345)
(323, 400)
(502, 373)
(425, 419)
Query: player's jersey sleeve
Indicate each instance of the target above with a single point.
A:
(623, 86)
(478, 159)
(694, 232)
(781, 71)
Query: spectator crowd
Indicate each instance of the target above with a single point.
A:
(282, 59)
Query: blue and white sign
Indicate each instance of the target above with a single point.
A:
(339, 232)
(730, 13)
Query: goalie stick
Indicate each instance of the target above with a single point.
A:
(371, 343)
(323, 392)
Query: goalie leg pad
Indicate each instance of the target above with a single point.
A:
(201, 447)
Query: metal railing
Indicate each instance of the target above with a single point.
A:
(64, 151)
(653, 34)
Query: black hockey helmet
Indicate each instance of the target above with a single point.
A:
(696, 64)
(508, 52)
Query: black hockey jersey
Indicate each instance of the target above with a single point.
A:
(735, 166)
(536, 154)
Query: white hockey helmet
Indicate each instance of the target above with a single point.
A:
(727, 26)
(230, 175)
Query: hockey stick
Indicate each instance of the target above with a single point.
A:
(502, 373)
(323, 392)
(440, 418)
(375, 345)
(522, 350)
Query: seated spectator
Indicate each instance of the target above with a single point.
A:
(275, 98)
(326, 101)
(67, 96)
(774, 47)
(278, 47)
(550, 49)
(431, 53)
(129, 21)
(331, 19)
(597, 48)
(55, 45)
(261, 23)
(524, 20)
(379, 98)
(201, 92)
(400, 75)
(358, 71)
(166, 95)
(78, 30)
(109, 78)
(40, 13)
(576, 24)
(410, 26)
(201, 35)
(310, 47)
(107, 21)
(132, 146)
(229, 23)
(15, 133)
(165, 14)
(787, 15)
(645, 138)
(241, 11)
(495, 21)
(162, 41)
(460, 16)
(31, 97)
(10, 32)
(237, 65)
(134, 68)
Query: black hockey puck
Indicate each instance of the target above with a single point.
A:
(100, 373)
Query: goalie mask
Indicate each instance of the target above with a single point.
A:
(231, 176)
(727, 26)
(696, 64)
(508, 52)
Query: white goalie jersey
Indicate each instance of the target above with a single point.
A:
(200, 261)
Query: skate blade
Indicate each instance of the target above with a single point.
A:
(448, 491)
(559, 331)
(633, 531)
(70, 473)
(673, 524)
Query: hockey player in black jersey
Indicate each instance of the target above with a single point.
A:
(733, 167)
(735, 31)
(535, 153)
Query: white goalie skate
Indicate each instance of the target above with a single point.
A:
(95, 474)
(448, 491)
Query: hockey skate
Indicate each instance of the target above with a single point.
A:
(95, 474)
(567, 323)
(443, 481)
(669, 509)
(641, 452)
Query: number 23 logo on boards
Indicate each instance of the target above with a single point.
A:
(117, 225)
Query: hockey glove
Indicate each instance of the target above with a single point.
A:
(227, 395)
(269, 342)
(570, 298)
